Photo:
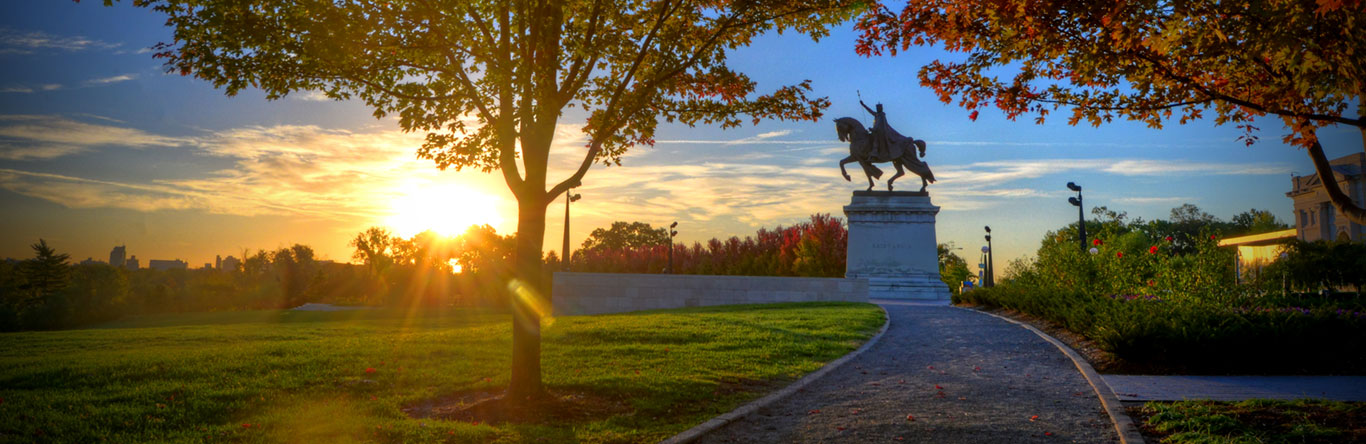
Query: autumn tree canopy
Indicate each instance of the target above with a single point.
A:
(488, 80)
(1150, 61)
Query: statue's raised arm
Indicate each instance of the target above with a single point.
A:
(865, 107)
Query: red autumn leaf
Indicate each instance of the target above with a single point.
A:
(1048, 433)
(839, 428)
(488, 379)
(931, 367)
(937, 387)
(976, 369)
(909, 417)
(369, 369)
(246, 425)
(973, 116)
(812, 412)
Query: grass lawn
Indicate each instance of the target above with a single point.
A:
(285, 376)
(1254, 421)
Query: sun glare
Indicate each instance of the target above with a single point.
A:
(446, 209)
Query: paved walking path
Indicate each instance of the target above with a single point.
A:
(1236, 388)
(964, 377)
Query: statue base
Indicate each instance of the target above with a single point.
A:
(892, 243)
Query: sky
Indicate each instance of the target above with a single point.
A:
(100, 147)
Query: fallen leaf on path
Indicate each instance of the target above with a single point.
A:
(937, 387)
(813, 412)
(908, 418)
(1032, 418)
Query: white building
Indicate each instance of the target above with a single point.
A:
(1315, 217)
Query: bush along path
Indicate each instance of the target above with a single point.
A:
(943, 375)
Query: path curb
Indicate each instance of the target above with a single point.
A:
(1124, 425)
(697, 431)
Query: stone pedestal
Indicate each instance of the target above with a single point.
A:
(892, 243)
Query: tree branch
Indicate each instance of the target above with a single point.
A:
(1330, 184)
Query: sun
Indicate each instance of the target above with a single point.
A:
(444, 208)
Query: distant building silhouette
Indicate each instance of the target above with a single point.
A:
(1315, 217)
(116, 257)
(217, 262)
(207, 266)
(131, 263)
(174, 264)
(90, 261)
(230, 264)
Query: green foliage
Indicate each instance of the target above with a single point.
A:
(1253, 421)
(626, 236)
(1162, 293)
(1195, 335)
(302, 376)
(953, 270)
(1310, 266)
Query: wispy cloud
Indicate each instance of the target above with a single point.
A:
(28, 42)
(16, 89)
(25, 137)
(112, 79)
(349, 175)
(312, 96)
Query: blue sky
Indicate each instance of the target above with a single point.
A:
(99, 147)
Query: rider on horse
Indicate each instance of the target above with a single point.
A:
(882, 144)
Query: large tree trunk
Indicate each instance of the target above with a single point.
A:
(1340, 199)
(529, 297)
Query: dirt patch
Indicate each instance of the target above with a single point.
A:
(491, 407)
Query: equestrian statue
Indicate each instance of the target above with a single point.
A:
(879, 145)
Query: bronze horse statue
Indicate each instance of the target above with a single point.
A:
(902, 154)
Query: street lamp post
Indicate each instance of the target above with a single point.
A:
(672, 233)
(1081, 216)
(982, 267)
(991, 268)
(569, 196)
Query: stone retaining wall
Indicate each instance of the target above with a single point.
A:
(598, 293)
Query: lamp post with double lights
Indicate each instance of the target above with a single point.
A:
(1081, 216)
(672, 233)
(569, 196)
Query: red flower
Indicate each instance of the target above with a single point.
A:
(1211, 237)
(1152, 283)
(1152, 249)
(1119, 254)
(1169, 238)
(246, 425)
(369, 369)
(1096, 242)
